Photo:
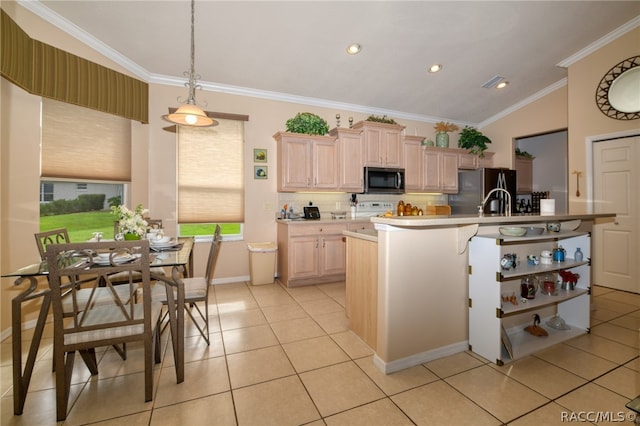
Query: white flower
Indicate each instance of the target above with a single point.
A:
(131, 221)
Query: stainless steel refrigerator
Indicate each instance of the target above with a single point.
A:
(474, 185)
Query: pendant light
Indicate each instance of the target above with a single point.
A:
(189, 114)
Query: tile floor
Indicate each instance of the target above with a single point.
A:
(283, 356)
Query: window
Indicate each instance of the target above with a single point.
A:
(78, 185)
(46, 192)
(211, 178)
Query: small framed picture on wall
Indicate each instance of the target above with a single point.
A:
(260, 172)
(260, 155)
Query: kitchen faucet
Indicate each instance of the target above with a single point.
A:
(507, 209)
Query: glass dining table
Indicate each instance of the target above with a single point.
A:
(179, 258)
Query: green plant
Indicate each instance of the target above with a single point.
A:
(307, 123)
(523, 154)
(383, 119)
(473, 140)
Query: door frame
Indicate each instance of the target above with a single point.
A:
(589, 142)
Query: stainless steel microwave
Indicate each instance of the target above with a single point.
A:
(381, 180)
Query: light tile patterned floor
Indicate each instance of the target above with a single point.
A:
(282, 356)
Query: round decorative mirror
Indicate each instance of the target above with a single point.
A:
(618, 94)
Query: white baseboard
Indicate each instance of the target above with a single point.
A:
(417, 359)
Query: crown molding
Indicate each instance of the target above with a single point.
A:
(618, 32)
(542, 93)
(294, 99)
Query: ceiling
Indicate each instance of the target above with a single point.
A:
(296, 50)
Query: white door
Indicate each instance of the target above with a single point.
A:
(616, 180)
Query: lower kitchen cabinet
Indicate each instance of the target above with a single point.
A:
(498, 312)
(311, 253)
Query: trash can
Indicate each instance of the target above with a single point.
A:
(262, 262)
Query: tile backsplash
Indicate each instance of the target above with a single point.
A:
(331, 202)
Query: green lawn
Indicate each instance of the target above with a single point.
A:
(81, 226)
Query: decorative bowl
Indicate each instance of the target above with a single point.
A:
(512, 231)
(534, 230)
(553, 226)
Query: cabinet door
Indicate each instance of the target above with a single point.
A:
(467, 161)
(412, 166)
(303, 257)
(449, 168)
(332, 255)
(351, 163)
(431, 173)
(373, 147)
(295, 161)
(325, 165)
(392, 145)
(524, 175)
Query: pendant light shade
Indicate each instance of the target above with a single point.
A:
(190, 114)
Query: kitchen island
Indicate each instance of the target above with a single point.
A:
(421, 283)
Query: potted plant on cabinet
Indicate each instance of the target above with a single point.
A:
(442, 133)
(473, 140)
(307, 123)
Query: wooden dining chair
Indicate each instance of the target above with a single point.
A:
(196, 289)
(101, 325)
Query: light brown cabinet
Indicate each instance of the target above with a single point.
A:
(362, 289)
(413, 163)
(382, 143)
(351, 155)
(524, 175)
(467, 161)
(311, 253)
(429, 169)
(307, 162)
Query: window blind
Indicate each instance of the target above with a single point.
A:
(211, 173)
(84, 144)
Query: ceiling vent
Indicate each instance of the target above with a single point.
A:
(492, 83)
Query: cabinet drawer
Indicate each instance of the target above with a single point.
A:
(316, 229)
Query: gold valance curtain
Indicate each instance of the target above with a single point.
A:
(52, 73)
(84, 144)
(211, 173)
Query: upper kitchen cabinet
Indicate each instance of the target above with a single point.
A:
(440, 170)
(382, 143)
(306, 162)
(524, 173)
(351, 154)
(413, 163)
(429, 169)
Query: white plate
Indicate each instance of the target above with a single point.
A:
(164, 244)
(103, 258)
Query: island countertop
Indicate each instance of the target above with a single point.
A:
(455, 220)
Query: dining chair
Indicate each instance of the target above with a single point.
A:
(196, 289)
(101, 325)
(102, 295)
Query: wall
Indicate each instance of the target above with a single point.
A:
(585, 119)
(547, 114)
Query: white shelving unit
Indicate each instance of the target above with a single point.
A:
(496, 328)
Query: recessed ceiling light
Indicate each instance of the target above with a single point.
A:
(435, 68)
(502, 85)
(354, 49)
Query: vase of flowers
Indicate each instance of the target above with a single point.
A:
(131, 223)
(442, 133)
